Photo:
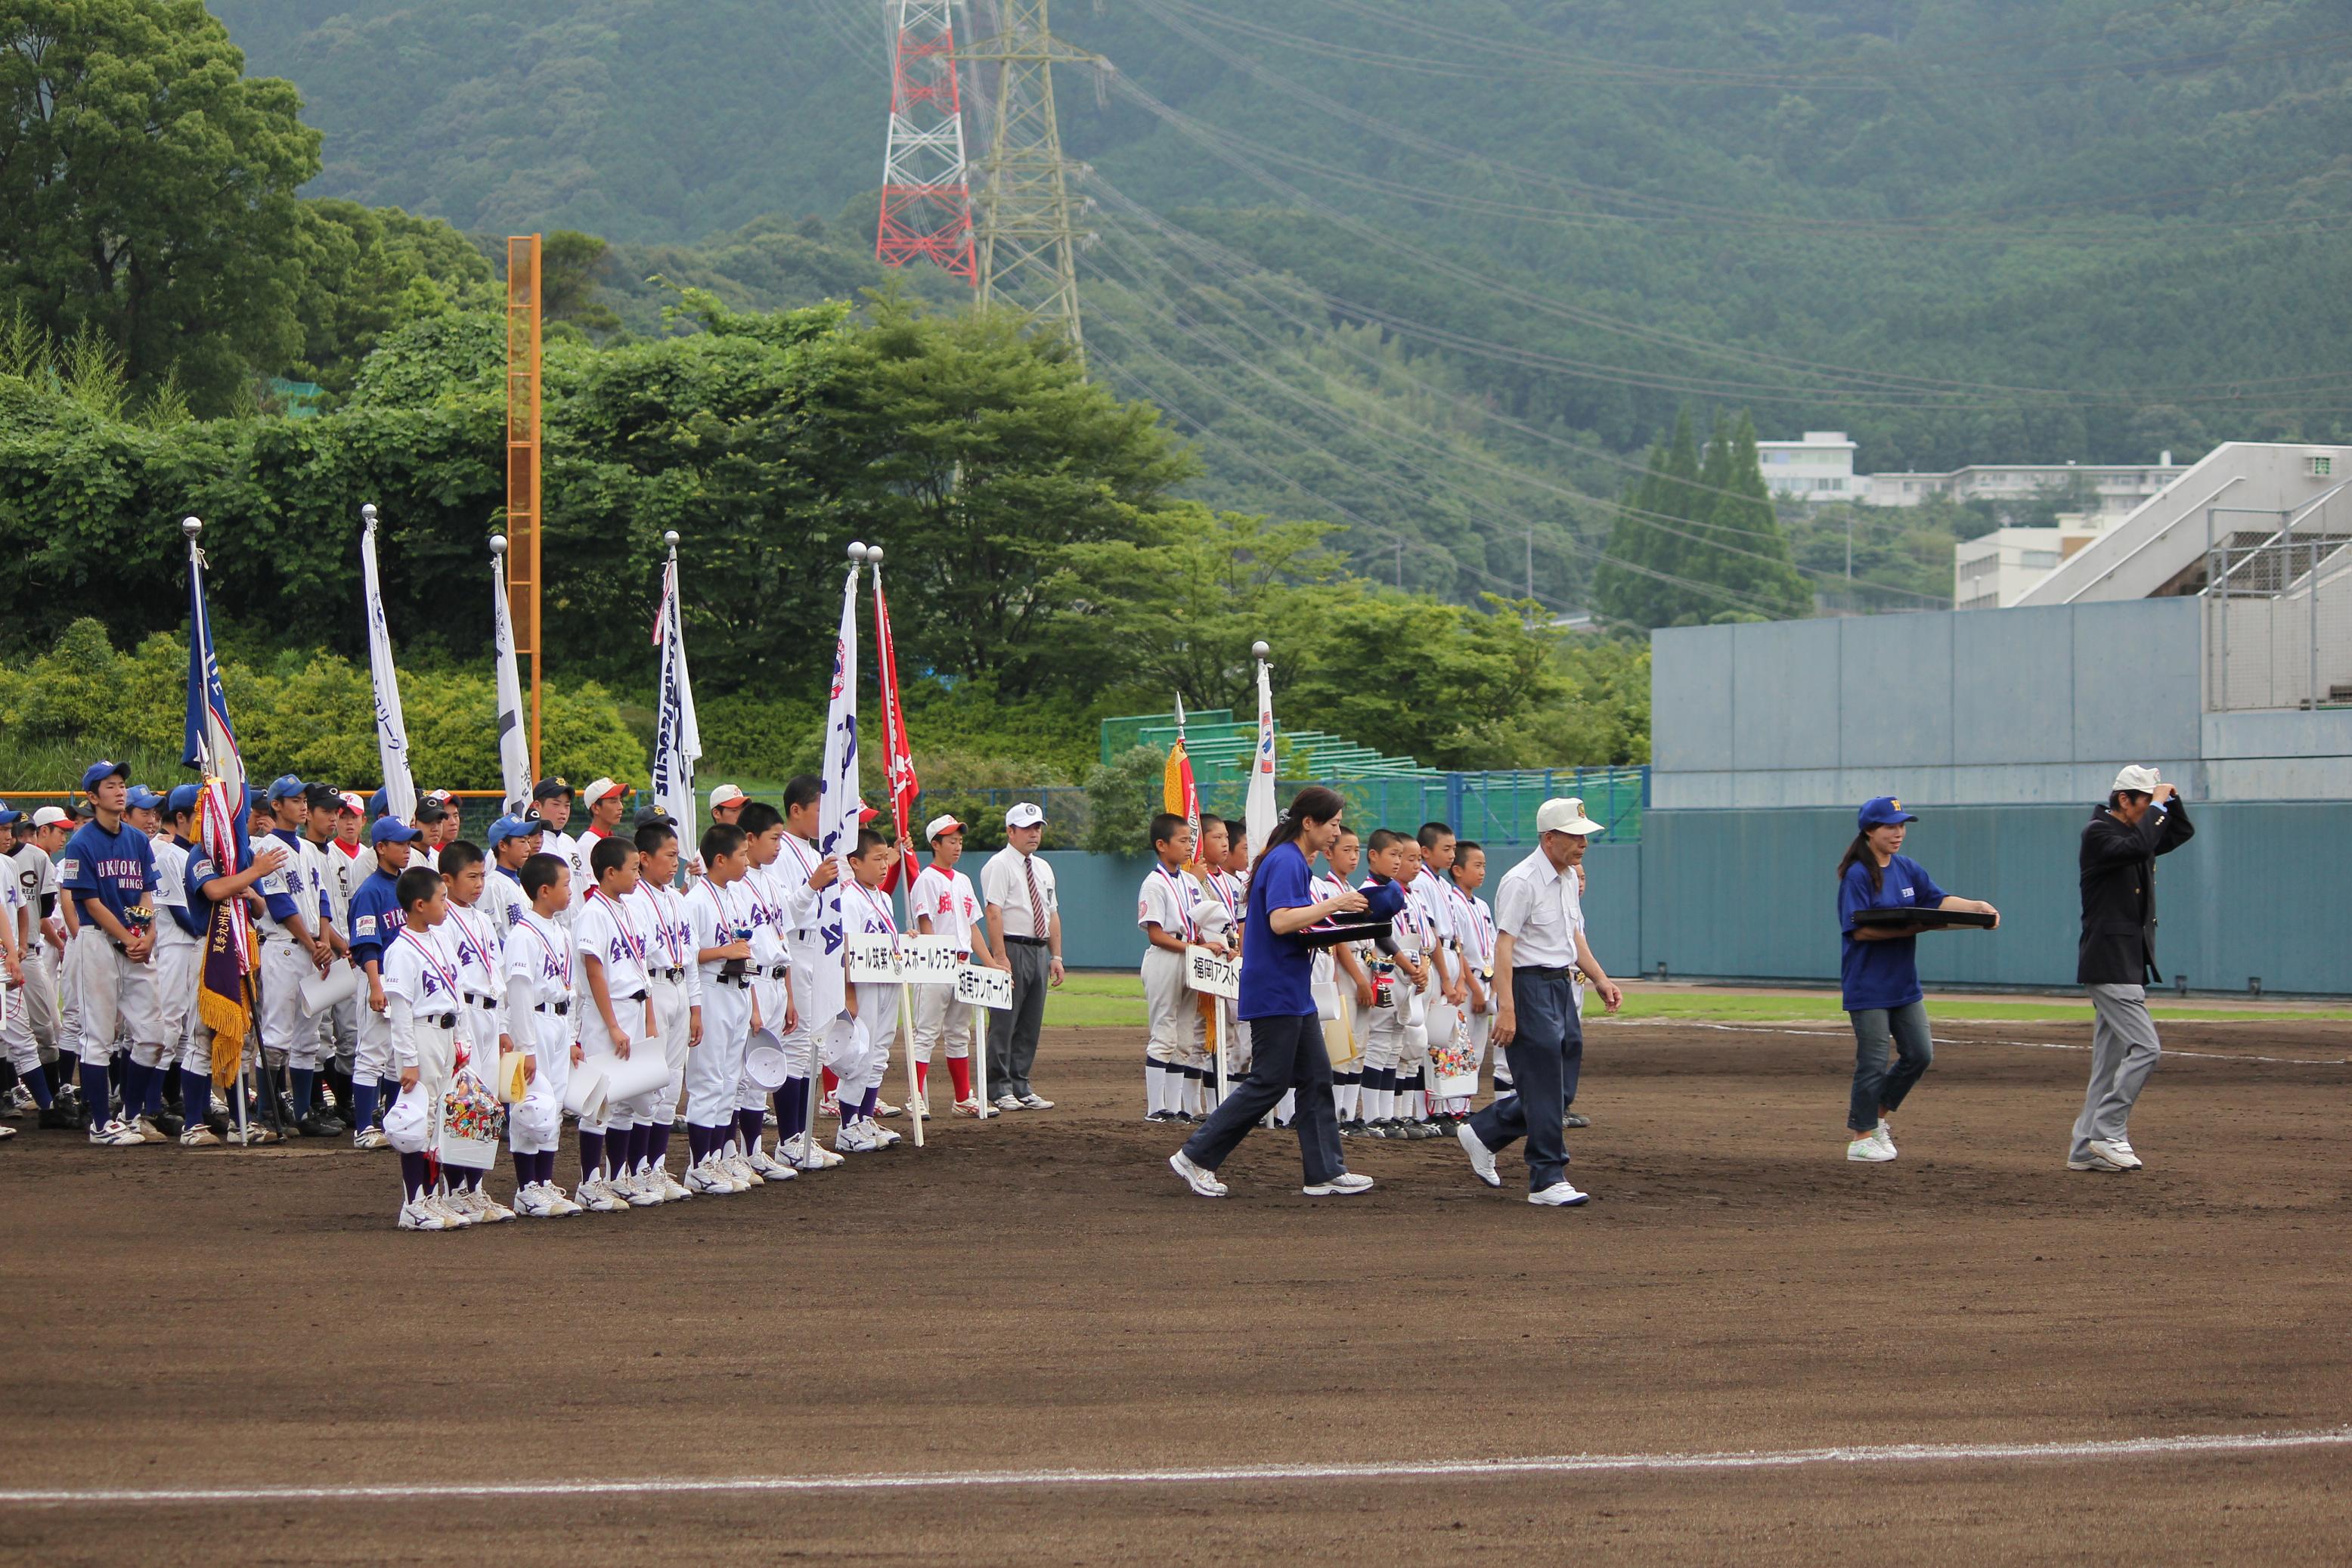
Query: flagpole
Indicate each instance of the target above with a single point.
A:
(846, 670)
(915, 1106)
(514, 746)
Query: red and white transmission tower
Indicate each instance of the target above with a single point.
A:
(926, 197)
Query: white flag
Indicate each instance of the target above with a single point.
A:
(837, 808)
(514, 744)
(391, 729)
(1258, 809)
(678, 740)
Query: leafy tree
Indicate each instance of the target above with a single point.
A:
(569, 262)
(370, 271)
(147, 190)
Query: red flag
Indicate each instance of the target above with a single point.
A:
(897, 757)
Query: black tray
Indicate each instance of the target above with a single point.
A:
(1333, 935)
(1924, 920)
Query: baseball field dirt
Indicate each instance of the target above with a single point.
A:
(216, 1356)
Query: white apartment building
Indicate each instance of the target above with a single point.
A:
(1819, 468)
(1995, 570)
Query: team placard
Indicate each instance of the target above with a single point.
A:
(982, 986)
(895, 960)
(1212, 975)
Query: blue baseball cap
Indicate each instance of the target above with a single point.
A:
(9, 818)
(507, 828)
(100, 771)
(380, 803)
(1882, 811)
(184, 797)
(286, 786)
(144, 799)
(392, 830)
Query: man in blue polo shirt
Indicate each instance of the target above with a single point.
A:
(109, 871)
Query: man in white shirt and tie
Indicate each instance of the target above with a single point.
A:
(1539, 947)
(1024, 923)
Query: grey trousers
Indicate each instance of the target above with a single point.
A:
(1012, 1032)
(2123, 1053)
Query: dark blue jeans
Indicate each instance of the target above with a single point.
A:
(1546, 1056)
(1878, 1086)
(1286, 1053)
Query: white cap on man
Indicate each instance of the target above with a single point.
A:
(1027, 814)
(599, 791)
(939, 825)
(2137, 780)
(1565, 815)
(726, 795)
(49, 816)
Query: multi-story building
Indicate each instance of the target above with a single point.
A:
(1995, 570)
(1820, 467)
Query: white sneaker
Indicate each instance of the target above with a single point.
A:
(829, 1108)
(558, 1205)
(440, 1203)
(738, 1169)
(884, 1108)
(116, 1136)
(1560, 1195)
(148, 1132)
(531, 1203)
(373, 1138)
(642, 1189)
(883, 1136)
(491, 1211)
(969, 1106)
(706, 1176)
(417, 1215)
(1870, 1149)
(2118, 1151)
(199, 1136)
(1482, 1158)
(1201, 1181)
(918, 1110)
(1007, 1103)
(1035, 1102)
(805, 1153)
(765, 1167)
(671, 1189)
(596, 1196)
(1342, 1186)
(856, 1138)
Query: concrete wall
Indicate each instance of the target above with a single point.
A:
(1750, 895)
(1976, 707)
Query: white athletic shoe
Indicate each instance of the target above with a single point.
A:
(805, 1153)
(558, 1205)
(417, 1215)
(1200, 1179)
(884, 1108)
(490, 1211)
(1008, 1103)
(2119, 1150)
(829, 1108)
(707, 1175)
(763, 1166)
(1344, 1184)
(918, 1110)
(371, 1137)
(1871, 1148)
(1482, 1158)
(856, 1138)
(440, 1203)
(1560, 1195)
(883, 1137)
(531, 1203)
(148, 1132)
(116, 1136)
(199, 1136)
(1035, 1103)
(740, 1170)
(969, 1106)
(671, 1189)
(596, 1196)
(643, 1189)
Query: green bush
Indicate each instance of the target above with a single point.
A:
(314, 717)
(1123, 797)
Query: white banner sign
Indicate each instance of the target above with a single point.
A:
(1212, 975)
(902, 960)
(983, 987)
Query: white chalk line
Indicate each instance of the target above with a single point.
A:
(1440, 1469)
(1831, 1031)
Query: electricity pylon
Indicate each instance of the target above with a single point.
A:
(926, 204)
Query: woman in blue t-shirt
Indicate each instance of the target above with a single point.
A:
(1277, 1003)
(1879, 972)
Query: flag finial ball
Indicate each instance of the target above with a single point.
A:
(498, 544)
(192, 526)
(873, 553)
(367, 514)
(1259, 650)
(670, 539)
(857, 550)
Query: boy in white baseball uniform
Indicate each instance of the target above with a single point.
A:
(31, 1031)
(719, 911)
(602, 800)
(294, 910)
(675, 979)
(615, 1017)
(538, 997)
(1175, 1049)
(795, 879)
(873, 1010)
(1475, 922)
(479, 942)
(945, 903)
(1341, 967)
(425, 1026)
(108, 873)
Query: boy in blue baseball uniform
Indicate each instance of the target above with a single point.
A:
(108, 873)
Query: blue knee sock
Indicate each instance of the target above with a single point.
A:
(363, 1106)
(134, 1089)
(93, 1092)
(195, 1096)
(36, 1084)
(305, 1085)
(156, 1076)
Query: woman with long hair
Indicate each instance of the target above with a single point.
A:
(1277, 1003)
(1878, 973)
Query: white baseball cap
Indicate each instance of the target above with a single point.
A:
(939, 825)
(725, 794)
(598, 790)
(2138, 779)
(49, 816)
(1565, 815)
(1028, 813)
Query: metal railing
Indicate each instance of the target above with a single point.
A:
(2278, 613)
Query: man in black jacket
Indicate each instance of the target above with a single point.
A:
(2143, 818)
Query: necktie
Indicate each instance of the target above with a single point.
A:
(1036, 903)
